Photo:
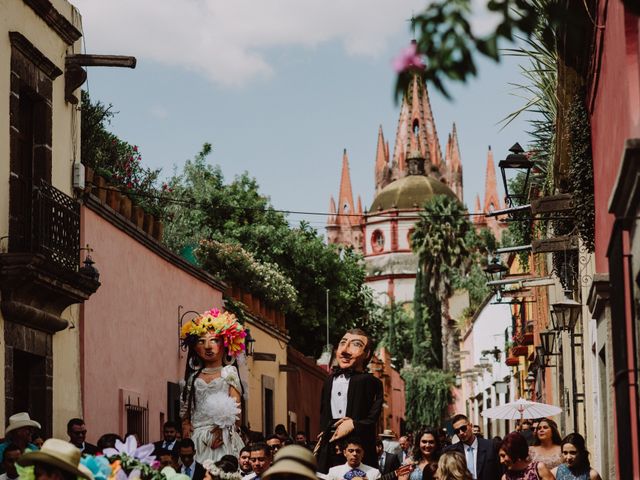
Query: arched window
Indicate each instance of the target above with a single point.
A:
(377, 241)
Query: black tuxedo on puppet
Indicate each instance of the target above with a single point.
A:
(364, 404)
(487, 462)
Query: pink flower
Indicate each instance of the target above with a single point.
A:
(135, 148)
(408, 58)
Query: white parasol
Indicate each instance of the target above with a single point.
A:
(520, 409)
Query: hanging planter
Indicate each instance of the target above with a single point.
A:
(137, 216)
(512, 361)
(519, 350)
(158, 230)
(99, 189)
(125, 206)
(113, 198)
(148, 223)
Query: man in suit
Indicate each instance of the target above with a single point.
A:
(189, 466)
(351, 401)
(77, 431)
(387, 462)
(169, 437)
(481, 456)
(405, 449)
(353, 468)
(261, 458)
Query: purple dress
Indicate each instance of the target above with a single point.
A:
(529, 473)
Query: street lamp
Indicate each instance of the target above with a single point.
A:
(541, 357)
(565, 313)
(248, 342)
(547, 341)
(495, 270)
(502, 387)
(518, 161)
(495, 352)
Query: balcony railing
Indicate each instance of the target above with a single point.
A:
(48, 223)
(56, 226)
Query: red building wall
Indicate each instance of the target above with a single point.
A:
(304, 389)
(615, 109)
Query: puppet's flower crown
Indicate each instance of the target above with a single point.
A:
(224, 325)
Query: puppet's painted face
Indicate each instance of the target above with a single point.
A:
(209, 347)
(352, 351)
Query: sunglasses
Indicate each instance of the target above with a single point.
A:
(461, 428)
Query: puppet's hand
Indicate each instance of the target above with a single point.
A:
(216, 438)
(344, 427)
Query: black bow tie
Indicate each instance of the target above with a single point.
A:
(347, 372)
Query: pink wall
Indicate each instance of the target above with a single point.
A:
(130, 326)
(615, 114)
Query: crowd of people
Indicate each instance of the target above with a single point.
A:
(208, 443)
(535, 451)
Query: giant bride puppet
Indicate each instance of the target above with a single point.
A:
(210, 399)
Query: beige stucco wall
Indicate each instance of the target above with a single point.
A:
(17, 16)
(267, 341)
(67, 399)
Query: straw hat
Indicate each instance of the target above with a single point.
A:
(58, 454)
(20, 420)
(387, 434)
(293, 460)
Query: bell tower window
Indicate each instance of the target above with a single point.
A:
(377, 241)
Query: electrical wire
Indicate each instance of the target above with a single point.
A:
(192, 203)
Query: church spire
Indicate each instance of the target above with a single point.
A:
(345, 198)
(491, 198)
(382, 162)
(453, 163)
(416, 130)
(332, 211)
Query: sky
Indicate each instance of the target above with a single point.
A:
(280, 88)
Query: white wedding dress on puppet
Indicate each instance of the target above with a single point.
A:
(215, 408)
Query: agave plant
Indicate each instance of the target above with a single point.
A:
(540, 73)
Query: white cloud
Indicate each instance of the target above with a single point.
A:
(227, 41)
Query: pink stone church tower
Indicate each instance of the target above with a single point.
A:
(491, 201)
(344, 225)
(416, 134)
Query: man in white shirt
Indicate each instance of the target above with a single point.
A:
(353, 468)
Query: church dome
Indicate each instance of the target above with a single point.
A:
(409, 192)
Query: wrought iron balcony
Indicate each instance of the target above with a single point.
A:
(47, 222)
(56, 227)
(40, 275)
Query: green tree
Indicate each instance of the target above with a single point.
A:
(441, 243)
(118, 161)
(205, 207)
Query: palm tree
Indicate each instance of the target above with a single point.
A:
(440, 241)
